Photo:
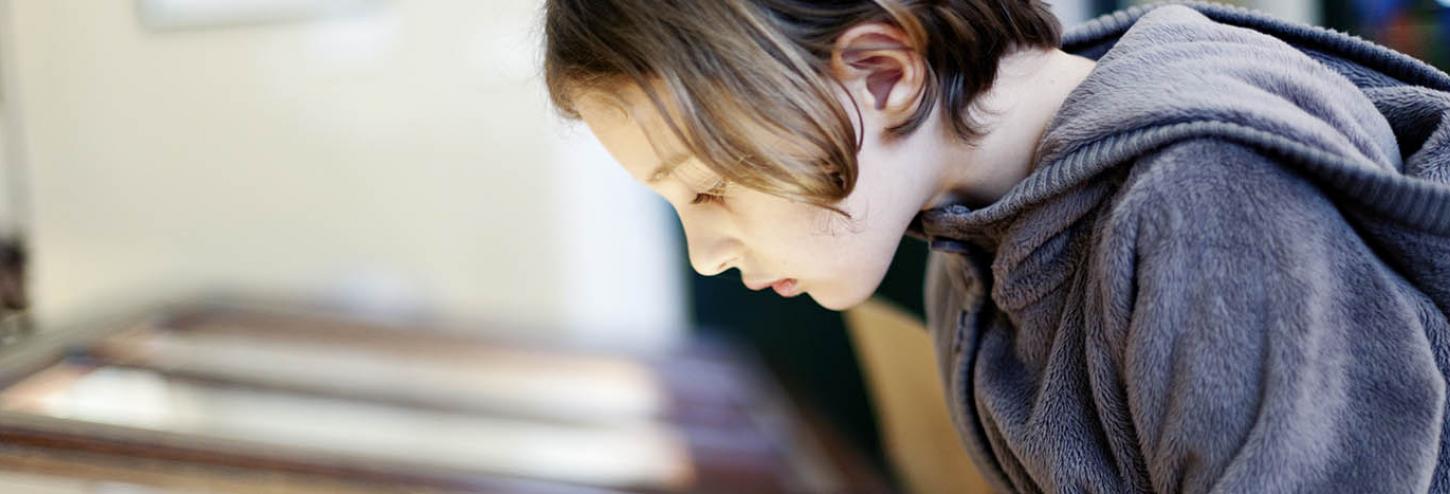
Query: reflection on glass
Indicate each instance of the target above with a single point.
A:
(553, 386)
(12, 482)
(620, 454)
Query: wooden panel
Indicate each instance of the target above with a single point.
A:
(900, 366)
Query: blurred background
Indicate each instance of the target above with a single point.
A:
(397, 162)
(395, 157)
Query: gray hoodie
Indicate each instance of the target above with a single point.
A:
(1229, 270)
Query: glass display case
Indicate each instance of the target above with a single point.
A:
(227, 397)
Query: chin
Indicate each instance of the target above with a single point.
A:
(838, 301)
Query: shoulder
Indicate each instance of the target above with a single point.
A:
(1213, 193)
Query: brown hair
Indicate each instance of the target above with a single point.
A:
(740, 71)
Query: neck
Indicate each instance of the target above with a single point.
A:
(1030, 88)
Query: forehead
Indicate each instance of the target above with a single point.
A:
(630, 128)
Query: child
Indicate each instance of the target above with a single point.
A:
(1183, 247)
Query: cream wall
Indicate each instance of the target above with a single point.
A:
(401, 159)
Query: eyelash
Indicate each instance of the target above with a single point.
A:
(711, 196)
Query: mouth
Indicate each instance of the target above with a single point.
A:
(785, 287)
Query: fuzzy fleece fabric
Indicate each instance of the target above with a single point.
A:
(1229, 271)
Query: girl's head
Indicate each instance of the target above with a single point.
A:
(796, 139)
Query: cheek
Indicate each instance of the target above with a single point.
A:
(839, 262)
(853, 271)
(861, 251)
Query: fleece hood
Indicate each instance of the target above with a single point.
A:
(1171, 72)
(1228, 271)
(1396, 162)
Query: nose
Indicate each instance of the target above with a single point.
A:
(710, 252)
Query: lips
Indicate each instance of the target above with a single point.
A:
(785, 287)
(756, 286)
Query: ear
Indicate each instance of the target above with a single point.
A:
(880, 67)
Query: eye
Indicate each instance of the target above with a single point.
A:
(714, 195)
